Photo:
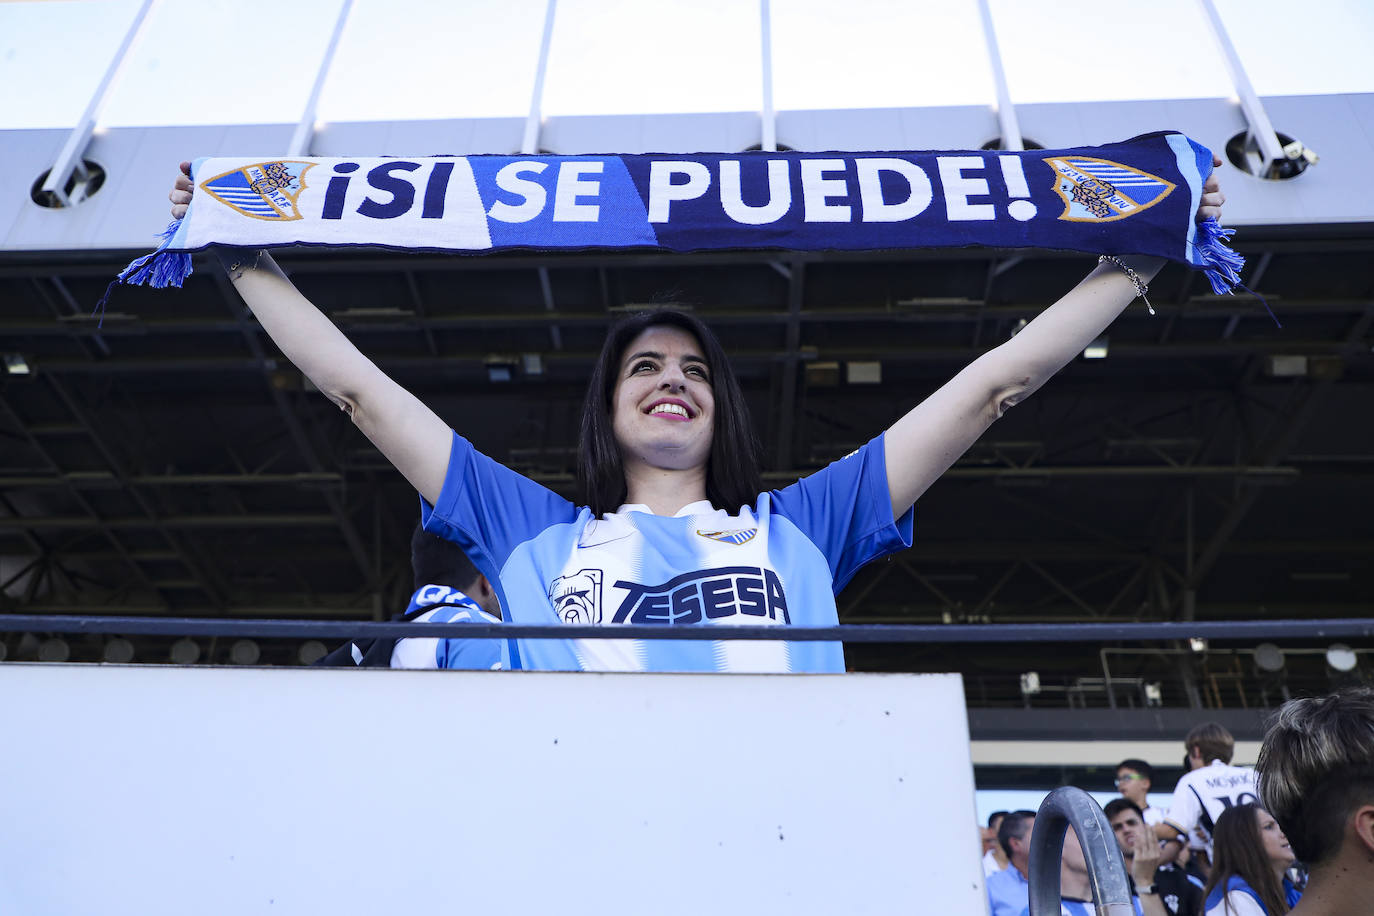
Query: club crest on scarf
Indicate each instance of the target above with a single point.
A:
(263, 190)
(737, 536)
(1099, 190)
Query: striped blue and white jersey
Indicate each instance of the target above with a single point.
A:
(453, 607)
(778, 562)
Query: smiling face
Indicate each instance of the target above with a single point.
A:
(1275, 844)
(663, 407)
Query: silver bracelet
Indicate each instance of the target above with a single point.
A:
(240, 264)
(1141, 288)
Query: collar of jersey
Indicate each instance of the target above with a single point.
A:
(700, 507)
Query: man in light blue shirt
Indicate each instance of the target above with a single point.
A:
(1008, 889)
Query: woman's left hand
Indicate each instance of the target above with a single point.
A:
(1212, 198)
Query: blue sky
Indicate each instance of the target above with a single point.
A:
(217, 61)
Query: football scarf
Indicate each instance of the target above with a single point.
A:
(1134, 197)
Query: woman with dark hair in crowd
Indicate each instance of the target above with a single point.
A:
(1250, 859)
(677, 528)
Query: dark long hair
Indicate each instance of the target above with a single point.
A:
(1237, 849)
(732, 472)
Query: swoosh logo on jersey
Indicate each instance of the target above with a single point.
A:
(604, 531)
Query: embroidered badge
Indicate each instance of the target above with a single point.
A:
(577, 598)
(737, 536)
(264, 190)
(1099, 190)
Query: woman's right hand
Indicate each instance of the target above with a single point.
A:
(182, 190)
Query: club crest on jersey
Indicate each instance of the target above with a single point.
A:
(263, 190)
(576, 598)
(1100, 191)
(737, 536)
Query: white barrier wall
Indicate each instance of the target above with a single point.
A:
(150, 790)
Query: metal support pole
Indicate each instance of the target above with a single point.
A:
(1067, 807)
(1006, 111)
(1260, 127)
(530, 144)
(305, 128)
(70, 159)
(770, 126)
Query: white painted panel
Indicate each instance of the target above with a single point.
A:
(1105, 754)
(684, 133)
(151, 790)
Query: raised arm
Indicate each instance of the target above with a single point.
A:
(925, 442)
(408, 433)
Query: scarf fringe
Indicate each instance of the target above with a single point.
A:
(1222, 264)
(1220, 261)
(159, 270)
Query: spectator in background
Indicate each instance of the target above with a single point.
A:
(1210, 787)
(1250, 855)
(1075, 887)
(1180, 895)
(1133, 780)
(1316, 775)
(1009, 889)
(994, 859)
(445, 577)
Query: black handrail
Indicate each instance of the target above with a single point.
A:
(851, 633)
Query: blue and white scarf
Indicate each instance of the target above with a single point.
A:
(1291, 894)
(1134, 197)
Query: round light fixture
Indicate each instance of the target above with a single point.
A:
(1341, 657)
(1268, 657)
(311, 651)
(185, 651)
(118, 651)
(244, 652)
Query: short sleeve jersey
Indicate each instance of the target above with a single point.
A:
(1202, 794)
(453, 607)
(777, 562)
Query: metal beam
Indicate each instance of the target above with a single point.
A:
(136, 522)
(1269, 454)
(26, 525)
(791, 365)
(1006, 111)
(768, 116)
(106, 480)
(1258, 119)
(213, 589)
(529, 143)
(299, 145)
(73, 150)
(347, 529)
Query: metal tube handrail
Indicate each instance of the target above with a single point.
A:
(1066, 807)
